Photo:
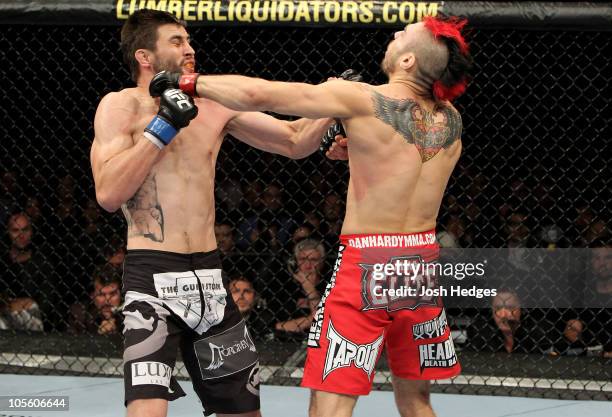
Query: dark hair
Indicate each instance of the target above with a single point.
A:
(140, 32)
(453, 81)
(457, 70)
(107, 274)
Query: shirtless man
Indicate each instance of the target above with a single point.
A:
(405, 139)
(155, 158)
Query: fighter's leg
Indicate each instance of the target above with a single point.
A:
(329, 404)
(412, 397)
(153, 407)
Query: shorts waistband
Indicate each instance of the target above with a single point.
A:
(157, 257)
(390, 240)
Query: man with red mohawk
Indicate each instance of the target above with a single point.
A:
(405, 139)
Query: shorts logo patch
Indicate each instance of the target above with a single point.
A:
(197, 297)
(226, 353)
(155, 373)
(342, 353)
(253, 383)
(396, 292)
(430, 329)
(317, 322)
(437, 355)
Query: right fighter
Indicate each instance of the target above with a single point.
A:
(405, 139)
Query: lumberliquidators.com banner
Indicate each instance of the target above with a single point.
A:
(283, 12)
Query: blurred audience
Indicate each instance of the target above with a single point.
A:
(20, 314)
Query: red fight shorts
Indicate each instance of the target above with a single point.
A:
(380, 296)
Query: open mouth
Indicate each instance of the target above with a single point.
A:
(189, 66)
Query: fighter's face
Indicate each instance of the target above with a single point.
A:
(397, 44)
(173, 52)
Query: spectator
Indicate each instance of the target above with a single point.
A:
(305, 269)
(234, 261)
(20, 314)
(508, 328)
(252, 307)
(30, 272)
(100, 315)
(572, 342)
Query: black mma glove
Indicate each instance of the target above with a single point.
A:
(165, 79)
(176, 110)
(337, 129)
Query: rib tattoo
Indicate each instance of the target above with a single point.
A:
(143, 212)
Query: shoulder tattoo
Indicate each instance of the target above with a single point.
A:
(428, 131)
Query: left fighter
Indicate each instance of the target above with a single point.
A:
(155, 158)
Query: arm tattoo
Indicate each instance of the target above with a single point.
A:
(143, 212)
(428, 131)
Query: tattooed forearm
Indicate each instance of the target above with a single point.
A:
(143, 212)
(428, 131)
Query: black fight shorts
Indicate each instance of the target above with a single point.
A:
(176, 301)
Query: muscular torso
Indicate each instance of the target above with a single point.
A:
(174, 209)
(400, 161)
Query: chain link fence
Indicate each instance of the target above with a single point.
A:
(534, 173)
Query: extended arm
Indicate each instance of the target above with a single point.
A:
(337, 99)
(294, 140)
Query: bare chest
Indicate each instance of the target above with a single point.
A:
(195, 147)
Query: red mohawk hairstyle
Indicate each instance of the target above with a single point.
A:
(453, 81)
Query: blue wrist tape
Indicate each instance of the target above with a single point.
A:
(163, 130)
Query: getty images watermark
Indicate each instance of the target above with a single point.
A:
(410, 277)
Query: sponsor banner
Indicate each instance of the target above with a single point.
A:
(342, 353)
(334, 13)
(155, 373)
(227, 353)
